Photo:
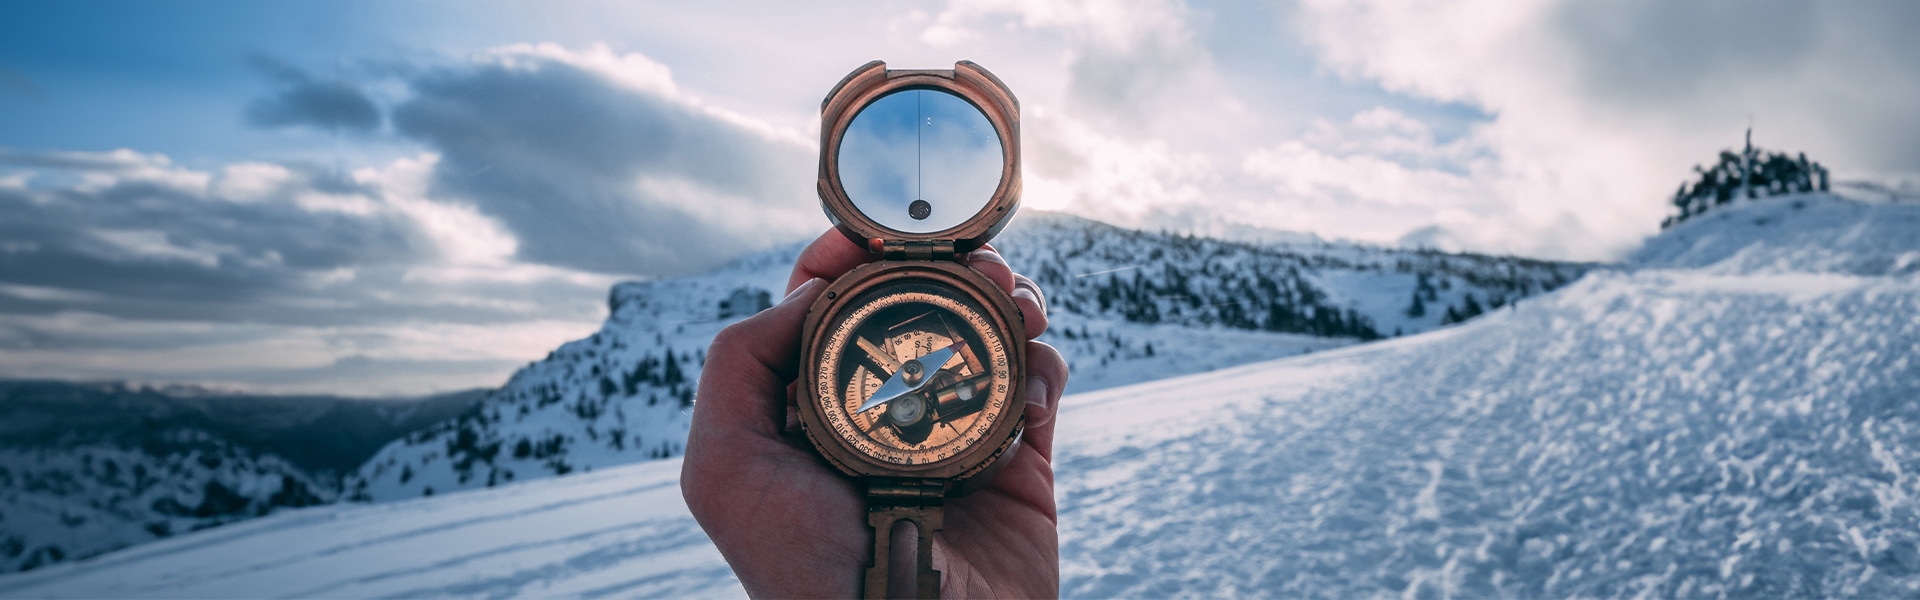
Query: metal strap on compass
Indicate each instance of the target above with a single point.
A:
(917, 501)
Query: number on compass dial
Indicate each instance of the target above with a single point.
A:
(916, 377)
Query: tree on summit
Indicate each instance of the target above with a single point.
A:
(1753, 173)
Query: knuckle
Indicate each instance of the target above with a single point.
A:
(730, 339)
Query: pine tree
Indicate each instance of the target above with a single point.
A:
(1752, 173)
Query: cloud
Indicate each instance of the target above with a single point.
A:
(335, 105)
(261, 241)
(596, 161)
(1134, 65)
(155, 237)
(1375, 177)
(1598, 109)
(122, 264)
(1142, 129)
(1539, 127)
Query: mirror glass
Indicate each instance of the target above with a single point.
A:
(920, 161)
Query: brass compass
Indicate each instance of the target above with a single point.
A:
(913, 365)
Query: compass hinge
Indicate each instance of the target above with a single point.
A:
(918, 250)
(905, 492)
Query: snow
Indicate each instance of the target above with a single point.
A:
(1732, 414)
(1663, 432)
(1661, 440)
(617, 532)
(84, 500)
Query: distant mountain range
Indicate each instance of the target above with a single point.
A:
(86, 468)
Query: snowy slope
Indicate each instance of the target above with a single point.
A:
(617, 532)
(1733, 415)
(78, 501)
(1127, 306)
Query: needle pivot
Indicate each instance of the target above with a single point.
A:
(913, 372)
(902, 383)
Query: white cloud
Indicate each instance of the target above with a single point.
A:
(463, 236)
(102, 170)
(251, 181)
(1599, 109)
(595, 160)
(639, 73)
(47, 294)
(147, 244)
(632, 70)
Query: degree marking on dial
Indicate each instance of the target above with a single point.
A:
(881, 357)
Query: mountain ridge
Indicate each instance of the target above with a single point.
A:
(1125, 306)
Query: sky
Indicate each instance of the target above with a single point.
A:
(391, 198)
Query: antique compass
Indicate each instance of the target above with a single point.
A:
(912, 365)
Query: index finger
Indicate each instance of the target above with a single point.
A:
(828, 257)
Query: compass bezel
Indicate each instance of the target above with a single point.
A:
(837, 300)
(874, 81)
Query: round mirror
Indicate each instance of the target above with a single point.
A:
(920, 161)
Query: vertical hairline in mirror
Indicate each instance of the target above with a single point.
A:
(920, 160)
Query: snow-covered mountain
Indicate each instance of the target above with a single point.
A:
(619, 396)
(1127, 306)
(1733, 413)
(88, 468)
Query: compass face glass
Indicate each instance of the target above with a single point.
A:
(920, 161)
(914, 374)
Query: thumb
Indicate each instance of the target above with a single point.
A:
(1047, 378)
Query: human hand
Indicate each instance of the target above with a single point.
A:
(793, 527)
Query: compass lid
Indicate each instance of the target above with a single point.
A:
(920, 157)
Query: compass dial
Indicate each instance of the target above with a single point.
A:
(881, 391)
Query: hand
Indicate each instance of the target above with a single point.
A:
(793, 527)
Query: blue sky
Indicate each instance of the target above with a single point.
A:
(162, 77)
(175, 78)
(400, 197)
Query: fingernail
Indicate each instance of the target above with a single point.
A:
(1037, 393)
(1023, 292)
(986, 255)
(802, 289)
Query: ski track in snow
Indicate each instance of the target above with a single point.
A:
(1729, 418)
